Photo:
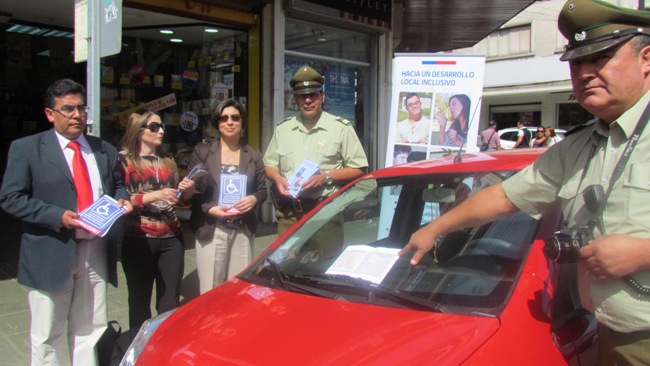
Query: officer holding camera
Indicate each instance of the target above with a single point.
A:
(599, 174)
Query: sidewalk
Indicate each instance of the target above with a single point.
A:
(14, 313)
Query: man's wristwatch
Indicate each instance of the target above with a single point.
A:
(328, 178)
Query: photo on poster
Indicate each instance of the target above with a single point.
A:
(414, 118)
(452, 117)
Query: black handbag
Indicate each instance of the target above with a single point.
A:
(486, 145)
(106, 344)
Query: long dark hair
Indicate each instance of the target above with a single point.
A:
(466, 103)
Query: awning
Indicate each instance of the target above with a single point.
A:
(443, 25)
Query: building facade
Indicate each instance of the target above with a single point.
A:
(524, 77)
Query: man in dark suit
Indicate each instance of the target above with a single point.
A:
(64, 268)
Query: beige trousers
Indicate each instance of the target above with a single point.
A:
(229, 252)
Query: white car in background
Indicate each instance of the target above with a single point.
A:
(509, 135)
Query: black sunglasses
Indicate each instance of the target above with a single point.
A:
(233, 117)
(154, 126)
(538, 131)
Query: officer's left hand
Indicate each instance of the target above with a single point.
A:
(315, 182)
(615, 256)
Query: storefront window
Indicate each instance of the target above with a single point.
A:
(509, 115)
(344, 59)
(571, 114)
(183, 80)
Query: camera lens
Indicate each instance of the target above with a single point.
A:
(564, 246)
(552, 248)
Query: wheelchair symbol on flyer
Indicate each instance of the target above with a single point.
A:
(233, 189)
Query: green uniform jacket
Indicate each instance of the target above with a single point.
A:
(332, 144)
(557, 174)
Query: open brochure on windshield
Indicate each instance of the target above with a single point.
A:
(366, 262)
(98, 218)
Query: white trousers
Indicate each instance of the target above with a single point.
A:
(229, 252)
(81, 305)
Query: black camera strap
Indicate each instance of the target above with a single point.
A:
(618, 171)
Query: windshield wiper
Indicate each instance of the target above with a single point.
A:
(278, 273)
(286, 284)
(374, 289)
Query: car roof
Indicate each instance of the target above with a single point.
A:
(479, 161)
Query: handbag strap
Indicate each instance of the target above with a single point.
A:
(492, 135)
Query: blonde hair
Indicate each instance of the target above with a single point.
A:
(131, 143)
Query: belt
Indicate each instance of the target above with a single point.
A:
(299, 205)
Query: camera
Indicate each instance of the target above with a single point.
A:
(564, 245)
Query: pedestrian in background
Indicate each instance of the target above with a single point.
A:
(551, 137)
(523, 135)
(51, 177)
(224, 235)
(540, 138)
(490, 138)
(153, 247)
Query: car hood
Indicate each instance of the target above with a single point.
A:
(246, 324)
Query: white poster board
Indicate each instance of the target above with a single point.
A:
(435, 109)
(435, 106)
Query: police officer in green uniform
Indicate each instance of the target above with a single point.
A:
(609, 59)
(326, 140)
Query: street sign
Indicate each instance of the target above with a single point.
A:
(110, 28)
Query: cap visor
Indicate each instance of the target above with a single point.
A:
(307, 90)
(592, 48)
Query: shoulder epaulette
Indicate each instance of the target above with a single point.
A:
(284, 120)
(343, 121)
(575, 129)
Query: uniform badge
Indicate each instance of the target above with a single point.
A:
(580, 36)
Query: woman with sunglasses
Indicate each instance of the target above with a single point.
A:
(224, 234)
(152, 248)
(540, 138)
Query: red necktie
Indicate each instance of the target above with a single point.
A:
(81, 178)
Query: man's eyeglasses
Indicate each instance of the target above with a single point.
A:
(154, 126)
(414, 104)
(233, 117)
(540, 131)
(68, 110)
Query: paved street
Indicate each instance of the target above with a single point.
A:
(14, 314)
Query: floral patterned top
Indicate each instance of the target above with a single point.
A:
(158, 219)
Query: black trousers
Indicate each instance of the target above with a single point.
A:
(144, 261)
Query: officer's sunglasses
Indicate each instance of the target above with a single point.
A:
(154, 126)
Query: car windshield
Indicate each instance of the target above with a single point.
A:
(347, 250)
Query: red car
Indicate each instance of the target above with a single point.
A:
(333, 291)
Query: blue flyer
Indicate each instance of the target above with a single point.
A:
(98, 218)
(233, 189)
